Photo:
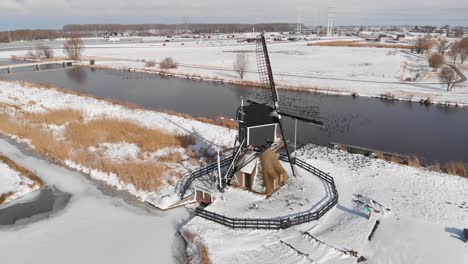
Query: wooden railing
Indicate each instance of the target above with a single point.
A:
(282, 222)
(202, 172)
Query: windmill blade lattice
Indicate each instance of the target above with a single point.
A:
(263, 70)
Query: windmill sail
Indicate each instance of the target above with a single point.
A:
(264, 69)
(266, 79)
(263, 63)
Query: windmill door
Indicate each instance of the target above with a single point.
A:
(248, 181)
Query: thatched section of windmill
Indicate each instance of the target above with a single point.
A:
(273, 172)
(263, 175)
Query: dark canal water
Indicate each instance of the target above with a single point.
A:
(432, 133)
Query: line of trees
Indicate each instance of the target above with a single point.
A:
(196, 28)
(38, 34)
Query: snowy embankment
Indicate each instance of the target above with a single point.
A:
(427, 213)
(14, 184)
(93, 228)
(125, 140)
(371, 72)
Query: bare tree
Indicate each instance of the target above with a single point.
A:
(463, 49)
(454, 51)
(168, 63)
(73, 47)
(436, 61)
(423, 44)
(240, 64)
(442, 47)
(43, 51)
(448, 76)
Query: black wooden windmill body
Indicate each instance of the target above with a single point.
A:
(257, 135)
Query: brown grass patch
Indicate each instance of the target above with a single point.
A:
(143, 175)
(414, 162)
(437, 167)
(8, 105)
(115, 131)
(44, 143)
(4, 196)
(21, 170)
(202, 250)
(359, 44)
(457, 168)
(56, 117)
(171, 157)
(78, 136)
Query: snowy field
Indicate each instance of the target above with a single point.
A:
(337, 70)
(424, 225)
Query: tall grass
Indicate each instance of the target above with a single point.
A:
(79, 135)
(144, 175)
(43, 141)
(56, 117)
(202, 251)
(5, 196)
(111, 130)
(23, 171)
(457, 168)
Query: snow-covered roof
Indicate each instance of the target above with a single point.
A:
(249, 167)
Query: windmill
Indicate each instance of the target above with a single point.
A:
(257, 139)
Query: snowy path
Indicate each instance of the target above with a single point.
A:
(93, 228)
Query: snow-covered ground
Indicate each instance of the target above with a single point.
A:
(304, 194)
(428, 209)
(338, 70)
(93, 228)
(209, 137)
(15, 183)
(428, 212)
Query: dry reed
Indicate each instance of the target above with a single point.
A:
(359, 44)
(56, 117)
(414, 162)
(114, 131)
(23, 171)
(5, 196)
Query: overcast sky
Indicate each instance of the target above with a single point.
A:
(16, 14)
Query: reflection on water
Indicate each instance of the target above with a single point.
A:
(77, 74)
(435, 133)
